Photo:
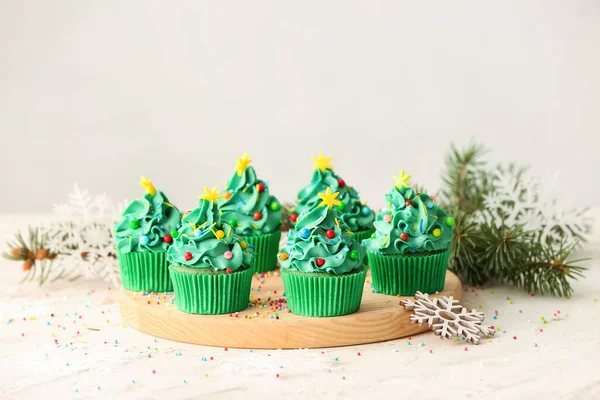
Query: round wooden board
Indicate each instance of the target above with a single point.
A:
(380, 318)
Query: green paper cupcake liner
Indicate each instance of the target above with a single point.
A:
(206, 292)
(265, 251)
(360, 236)
(323, 295)
(145, 272)
(405, 275)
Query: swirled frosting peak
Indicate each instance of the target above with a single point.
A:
(411, 223)
(321, 242)
(148, 223)
(352, 211)
(203, 241)
(247, 204)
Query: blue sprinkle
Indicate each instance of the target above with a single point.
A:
(98, 387)
(149, 356)
(304, 233)
(430, 205)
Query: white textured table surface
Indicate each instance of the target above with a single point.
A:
(526, 359)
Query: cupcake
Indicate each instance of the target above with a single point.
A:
(321, 265)
(356, 215)
(143, 236)
(253, 213)
(410, 249)
(210, 265)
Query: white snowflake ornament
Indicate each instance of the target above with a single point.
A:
(447, 318)
(516, 198)
(80, 234)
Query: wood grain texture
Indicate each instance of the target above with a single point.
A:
(380, 318)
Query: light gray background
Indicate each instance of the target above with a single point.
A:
(99, 92)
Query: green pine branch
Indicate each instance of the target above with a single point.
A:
(483, 252)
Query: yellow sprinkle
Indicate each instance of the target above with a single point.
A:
(32, 318)
(254, 226)
(167, 204)
(385, 240)
(389, 206)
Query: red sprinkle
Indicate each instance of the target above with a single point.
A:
(514, 337)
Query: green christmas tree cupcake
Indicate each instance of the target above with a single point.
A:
(210, 265)
(143, 236)
(253, 213)
(410, 249)
(356, 215)
(322, 266)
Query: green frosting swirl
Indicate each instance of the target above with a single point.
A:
(145, 223)
(426, 226)
(198, 237)
(308, 242)
(246, 201)
(356, 215)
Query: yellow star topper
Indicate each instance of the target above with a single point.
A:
(329, 199)
(147, 184)
(322, 162)
(211, 195)
(242, 163)
(402, 180)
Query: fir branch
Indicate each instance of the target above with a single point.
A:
(548, 271)
(463, 169)
(485, 250)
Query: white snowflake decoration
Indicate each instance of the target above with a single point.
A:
(447, 318)
(532, 202)
(81, 236)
